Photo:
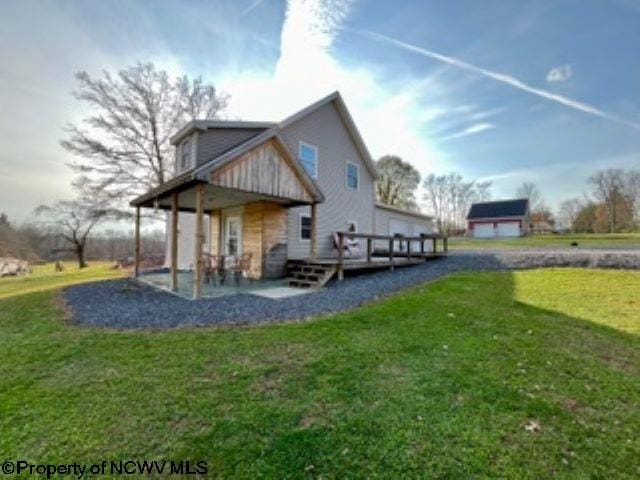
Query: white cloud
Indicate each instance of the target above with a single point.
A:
(560, 74)
(306, 70)
(503, 78)
(471, 130)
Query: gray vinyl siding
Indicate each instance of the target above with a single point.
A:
(325, 129)
(215, 141)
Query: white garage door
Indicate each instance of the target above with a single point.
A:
(508, 229)
(398, 226)
(483, 230)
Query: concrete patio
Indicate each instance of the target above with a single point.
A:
(273, 289)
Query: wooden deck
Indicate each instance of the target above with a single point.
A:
(375, 262)
(400, 252)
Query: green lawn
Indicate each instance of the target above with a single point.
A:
(44, 277)
(618, 240)
(514, 375)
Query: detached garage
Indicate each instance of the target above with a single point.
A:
(392, 220)
(500, 219)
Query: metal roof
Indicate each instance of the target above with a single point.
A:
(501, 208)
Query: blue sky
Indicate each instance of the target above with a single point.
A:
(546, 91)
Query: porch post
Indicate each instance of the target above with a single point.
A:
(136, 248)
(197, 260)
(314, 218)
(220, 235)
(174, 241)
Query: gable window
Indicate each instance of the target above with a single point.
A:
(308, 155)
(353, 177)
(305, 227)
(185, 154)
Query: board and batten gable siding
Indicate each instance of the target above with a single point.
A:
(325, 129)
(262, 170)
(215, 141)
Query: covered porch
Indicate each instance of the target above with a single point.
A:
(245, 200)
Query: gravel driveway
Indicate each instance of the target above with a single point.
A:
(128, 304)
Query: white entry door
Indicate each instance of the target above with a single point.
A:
(508, 229)
(233, 236)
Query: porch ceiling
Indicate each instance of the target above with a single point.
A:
(215, 198)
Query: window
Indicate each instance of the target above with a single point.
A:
(233, 236)
(305, 227)
(352, 176)
(185, 154)
(309, 158)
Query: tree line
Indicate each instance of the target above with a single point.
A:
(36, 242)
(612, 204)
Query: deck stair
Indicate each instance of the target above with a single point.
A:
(309, 275)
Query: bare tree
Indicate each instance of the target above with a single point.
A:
(633, 192)
(397, 182)
(449, 198)
(610, 187)
(569, 211)
(530, 191)
(123, 147)
(13, 241)
(74, 220)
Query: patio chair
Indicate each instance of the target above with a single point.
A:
(212, 266)
(351, 246)
(241, 267)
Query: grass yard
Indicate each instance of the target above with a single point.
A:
(44, 277)
(618, 240)
(529, 374)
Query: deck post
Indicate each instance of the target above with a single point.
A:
(174, 241)
(314, 230)
(445, 244)
(340, 256)
(369, 249)
(408, 249)
(391, 253)
(197, 254)
(136, 248)
(434, 244)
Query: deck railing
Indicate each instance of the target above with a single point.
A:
(392, 252)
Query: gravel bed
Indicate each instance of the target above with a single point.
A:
(129, 304)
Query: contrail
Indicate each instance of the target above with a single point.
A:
(503, 78)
